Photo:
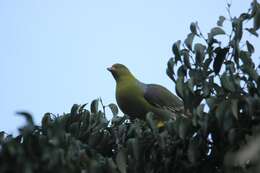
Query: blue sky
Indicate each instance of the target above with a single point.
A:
(54, 53)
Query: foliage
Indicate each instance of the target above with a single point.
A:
(220, 86)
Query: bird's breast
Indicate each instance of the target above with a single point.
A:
(130, 99)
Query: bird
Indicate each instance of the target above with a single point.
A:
(136, 98)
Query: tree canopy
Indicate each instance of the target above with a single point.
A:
(218, 81)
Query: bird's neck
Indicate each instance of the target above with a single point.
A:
(128, 78)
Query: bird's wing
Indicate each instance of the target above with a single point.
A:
(161, 97)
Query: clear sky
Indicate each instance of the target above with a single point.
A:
(54, 53)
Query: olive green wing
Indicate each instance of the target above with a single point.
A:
(161, 97)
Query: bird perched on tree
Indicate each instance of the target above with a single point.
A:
(136, 99)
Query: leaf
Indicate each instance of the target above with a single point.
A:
(151, 121)
(199, 110)
(244, 16)
(94, 138)
(81, 108)
(217, 31)
(230, 66)
(193, 28)
(176, 50)
(237, 25)
(134, 146)
(74, 128)
(170, 70)
(227, 82)
(193, 152)
(219, 59)
(188, 41)
(94, 106)
(191, 84)
(252, 31)
(179, 87)
(221, 20)
(74, 110)
(250, 71)
(121, 160)
(114, 109)
(212, 102)
(257, 18)
(182, 71)
(111, 166)
(46, 120)
(220, 112)
(206, 89)
(246, 58)
(200, 52)
(207, 63)
(117, 120)
(186, 57)
(234, 108)
(185, 126)
(27, 116)
(2, 137)
(250, 47)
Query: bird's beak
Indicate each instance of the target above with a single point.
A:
(110, 69)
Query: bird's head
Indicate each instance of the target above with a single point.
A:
(119, 71)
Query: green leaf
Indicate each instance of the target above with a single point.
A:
(74, 110)
(244, 16)
(188, 41)
(94, 106)
(133, 144)
(246, 58)
(250, 47)
(257, 18)
(206, 89)
(220, 112)
(234, 108)
(179, 87)
(212, 102)
(114, 109)
(237, 25)
(207, 63)
(27, 116)
(185, 126)
(46, 120)
(121, 160)
(111, 166)
(117, 120)
(176, 50)
(199, 110)
(221, 20)
(74, 128)
(230, 66)
(219, 59)
(182, 71)
(200, 52)
(94, 138)
(191, 84)
(81, 108)
(193, 28)
(2, 137)
(151, 121)
(170, 70)
(250, 71)
(217, 31)
(193, 152)
(252, 31)
(186, 57)
(227, 82)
